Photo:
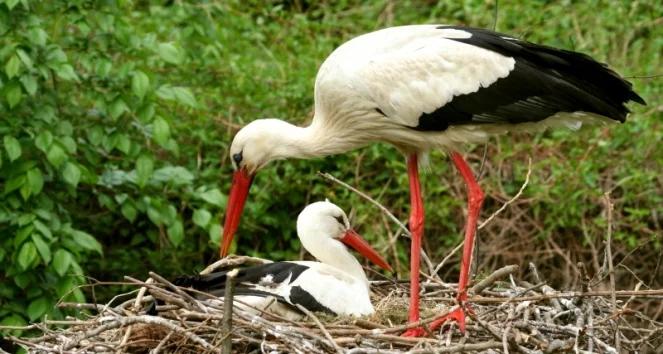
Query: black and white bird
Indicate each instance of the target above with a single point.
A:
(428, 87)
(336, 284)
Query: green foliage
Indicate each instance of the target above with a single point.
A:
(116, 117)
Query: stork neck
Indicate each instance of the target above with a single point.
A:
(316, 140)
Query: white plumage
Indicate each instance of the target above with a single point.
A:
(336, 284)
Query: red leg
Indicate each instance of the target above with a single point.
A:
(417, 230)
(475, 199)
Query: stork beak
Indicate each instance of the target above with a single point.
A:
(354, 240)
(238, 192)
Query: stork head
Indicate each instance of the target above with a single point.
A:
(322, 220)
(258, 143)
(255, 145)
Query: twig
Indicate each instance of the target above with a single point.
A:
(161, 344)
(492, 278)
(515, 197)
(369, 199)
(233, 261)
(322, 328)
(386, 211)
(228, 310)
(611, 270)
(446, 258)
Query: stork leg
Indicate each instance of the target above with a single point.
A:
(474, 202)
(416, 230)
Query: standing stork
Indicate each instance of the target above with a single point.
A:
(427, 87)
(336, 284)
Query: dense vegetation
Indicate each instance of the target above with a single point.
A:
(116, 116)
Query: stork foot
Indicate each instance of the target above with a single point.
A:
(457, 315)
(414, 332)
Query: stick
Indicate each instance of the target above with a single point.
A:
(228, 311)
(492, 278)
(520, 192)
(382, 208)
(369, 199)
(611, 270)
(322, 328)
(233, 260)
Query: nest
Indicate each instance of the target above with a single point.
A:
(504, 315)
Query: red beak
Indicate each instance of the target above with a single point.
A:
(354, 240)
(238, 192)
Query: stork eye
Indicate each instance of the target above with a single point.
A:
(340, 220)
(237, 158)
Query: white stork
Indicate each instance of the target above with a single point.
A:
(427, 87)
(336, 284)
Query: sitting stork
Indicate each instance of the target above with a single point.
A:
(336, 284)
(428, 87)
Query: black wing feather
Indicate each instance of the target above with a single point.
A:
(280, 271)
(544, 81)
(247, 278)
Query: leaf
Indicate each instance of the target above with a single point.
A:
(215, 233)
(66, 72)
(13, 94)
(161, 131)
(29, 83)
(14, 184)
(213, 196)
(176, 175)
(23, 280)
(13, 147)
(117, 108)
(25, 191)
(71, 174)
(95, 135)
(27, 255)
(129, 211)
(56, 155)
(166, 92)
(170, 53)
(154, 215)
(144, 168)
(43, 229)
(23, 234)
(103, 67)
(44, 140)
(37, 36)
(140, 83)
(13, 320)
(13, 66)
(42, 247)
(176, 233)
(201, 217)
(11, 3)
(61, 261)
(25, 58)
(122, 143)
(37, 308)
(35, 180)
(86, 241)
(185, 96)
(180, 94)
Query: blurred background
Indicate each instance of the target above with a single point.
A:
(116, 117)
